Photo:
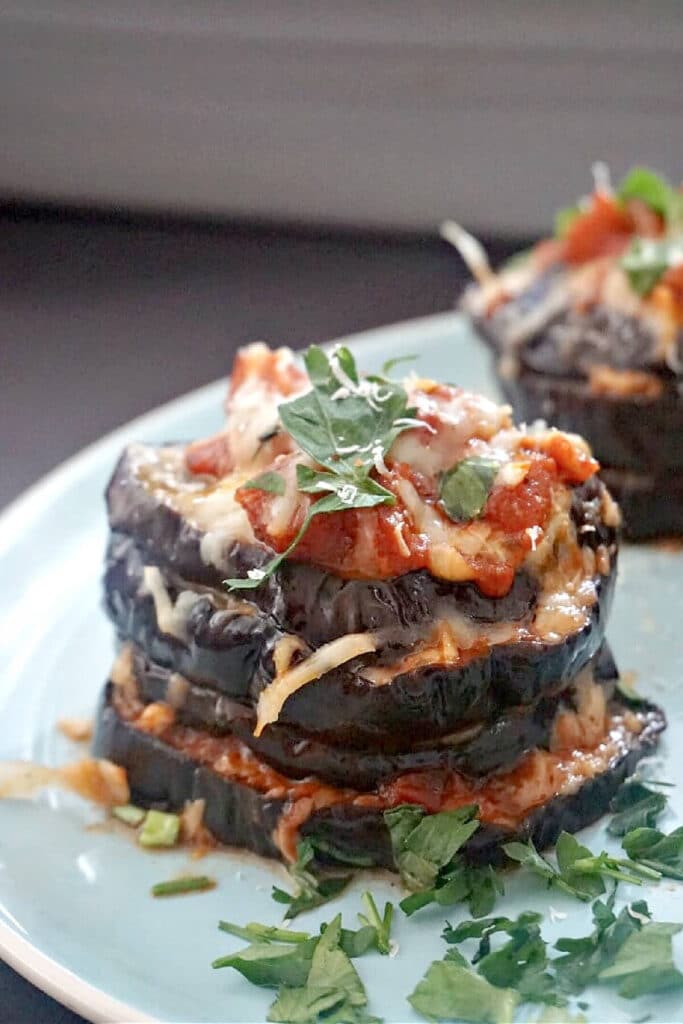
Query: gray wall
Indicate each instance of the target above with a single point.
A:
(385, 113)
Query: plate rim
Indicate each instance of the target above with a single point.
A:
(41, 970)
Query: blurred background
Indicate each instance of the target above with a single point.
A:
(177, 179)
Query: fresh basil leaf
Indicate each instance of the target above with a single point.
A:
(644, 963)
(635, 806)
(450, 991)
(654, 190)
(465, 488)
(342, 420)
(564, 219)
(425, 843)
(654, 849)
(272, 482)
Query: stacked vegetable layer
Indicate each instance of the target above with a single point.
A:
(364, 594)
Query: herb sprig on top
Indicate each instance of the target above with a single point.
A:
(346, 424)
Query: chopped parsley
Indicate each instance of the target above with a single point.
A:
(655, 850)
(312, 891)
(313, 975)
(579, 872)
(188, 883)
(635, 805)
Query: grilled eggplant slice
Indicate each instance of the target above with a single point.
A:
(476, 749)
(229, 645)
(238, 814)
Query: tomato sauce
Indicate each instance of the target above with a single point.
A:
(503, 800)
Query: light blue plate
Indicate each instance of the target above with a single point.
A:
(76, 916)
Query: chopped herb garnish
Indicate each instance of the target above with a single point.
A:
(129, 814)
(584, 958)
(313, 975)
(381, 923)
(425, 850)
(346, 425)
(159, 829)
(478, 887)
(255, 932)
(272, 482)
(191, 883)
(452, 991)
(579, 872)
(520, 963)
(635, 806)
(647, 259)
(655, 850)
(654, 190)
(644, 963)
(465, 488)
(424, 844)
(312, 891)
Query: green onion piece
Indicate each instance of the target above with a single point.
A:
(159, 829)
(129, 814)
(191, 883)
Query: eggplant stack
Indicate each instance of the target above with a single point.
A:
(365, 593)
(587, 331)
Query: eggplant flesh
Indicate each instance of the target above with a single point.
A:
(232, 653)
(238, 815)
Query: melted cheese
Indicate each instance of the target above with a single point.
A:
(210, 507)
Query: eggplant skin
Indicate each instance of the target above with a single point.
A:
(632, 433)
(638, 440)
(233, 655)
(492, 746)
(160, 776)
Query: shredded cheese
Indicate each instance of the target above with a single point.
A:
(325, 659)
(97, 780)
